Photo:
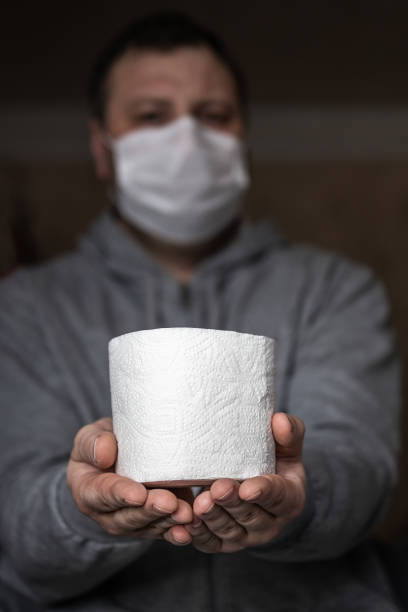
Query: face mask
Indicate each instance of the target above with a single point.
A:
(182, 183)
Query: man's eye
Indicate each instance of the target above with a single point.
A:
(153, 118)
(216, 118)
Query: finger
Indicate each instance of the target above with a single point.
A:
(159, 503)
(180, 517)
(203, 538)
(249, 515)
(218, 520)
(183, 515)
(288, 431)
(222, 487)
(149, 519)
(177, 535)
(154, 516)
(96, 445)
(107, 492)
(271, 492)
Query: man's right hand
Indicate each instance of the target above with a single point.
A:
(120, 505)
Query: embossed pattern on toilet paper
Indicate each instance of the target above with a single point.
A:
(192, 404)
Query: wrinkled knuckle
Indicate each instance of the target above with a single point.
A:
(128, 520)
(106, 485)
(249, 517)
(157, 530)
(134, 522)
(114, 486)
(114, 529)
(206, 539)
(231, 532)
(164, 524)
(228, 528)
(107, 480)
(234, 503)
(101, 500)
(84, 497)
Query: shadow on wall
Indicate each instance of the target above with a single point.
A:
(357, 208)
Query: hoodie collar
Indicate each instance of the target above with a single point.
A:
(126, 257)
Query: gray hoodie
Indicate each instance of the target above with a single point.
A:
(336, 369)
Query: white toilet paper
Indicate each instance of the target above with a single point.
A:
(192, 405)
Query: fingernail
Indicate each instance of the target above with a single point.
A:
(176, 519)
(227, 494)
(254, 495)
(160, 509)
(209, 509)
(94, 459)
(132, 502)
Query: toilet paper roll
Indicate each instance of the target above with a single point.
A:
(192, 405)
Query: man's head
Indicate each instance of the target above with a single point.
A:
(161, 68)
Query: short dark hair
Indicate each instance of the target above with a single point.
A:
(163, 31)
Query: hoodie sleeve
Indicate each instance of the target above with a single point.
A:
(345, 386)
(49, 550)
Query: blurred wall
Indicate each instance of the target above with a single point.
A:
(329, 131)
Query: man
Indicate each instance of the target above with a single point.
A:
(167, 136)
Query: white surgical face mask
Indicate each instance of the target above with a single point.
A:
(182, 183)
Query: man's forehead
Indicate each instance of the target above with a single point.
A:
(193, 69)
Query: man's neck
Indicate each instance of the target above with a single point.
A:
(181, 261)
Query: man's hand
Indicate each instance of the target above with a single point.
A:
(232, 516)
(120, 505)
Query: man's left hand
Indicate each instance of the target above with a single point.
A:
(231, 516)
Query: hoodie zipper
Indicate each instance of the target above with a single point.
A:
(185, 295)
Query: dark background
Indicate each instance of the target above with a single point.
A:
(328, 79)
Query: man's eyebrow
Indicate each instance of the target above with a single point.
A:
(209, 101)
(148, 100)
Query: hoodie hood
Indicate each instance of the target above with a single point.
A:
(165, 301)
(125, 257)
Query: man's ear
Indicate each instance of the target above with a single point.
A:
(101, 155)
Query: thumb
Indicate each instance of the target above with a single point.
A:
(288, 431)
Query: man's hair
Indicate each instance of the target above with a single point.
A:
(164, 31)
